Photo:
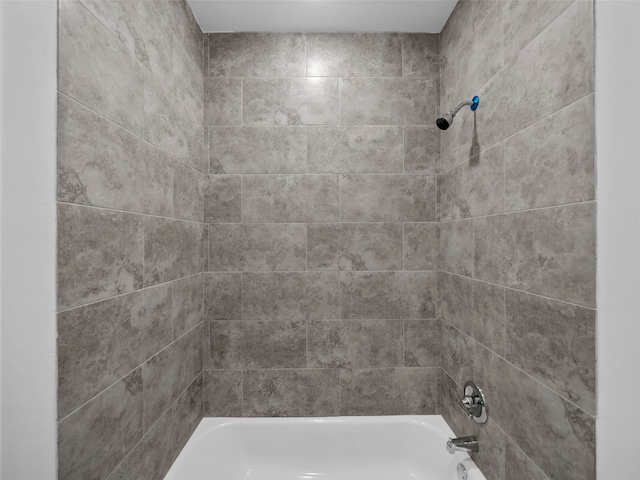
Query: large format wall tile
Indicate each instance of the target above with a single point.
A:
(365, 295)
(421, 246)
(222, 101)
(222, 199)
(96, 437)
(290, 101)
(222, 393)
(100, 343)
(188, 306)
(257, 344)
(153, 455)
(553, 161)
(291, 393)
(550, 252)
(187, 413)
(172, 249)
(457, 354)
(421, 149)
(258, 149)
(557, 435)
(387, 198)
(390, 391)
(167, 374)
(355, 344)
(273, 246)
(188, 193)
(355, 149)
(354, 54)
(311, 296)
(421, 55)
(555, 343)
(223, 296)
(100, 254)
(518, 465)
(473, 188)
(457, 247)
(97, 70)
(289, 198)
(354, 246)
(390, 101)
(422, 343)
(102, 164)
(256, 55)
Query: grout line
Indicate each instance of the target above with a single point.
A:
(242, 392)
(136, 135)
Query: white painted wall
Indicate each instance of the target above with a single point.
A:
(28, 44)
(618, 150)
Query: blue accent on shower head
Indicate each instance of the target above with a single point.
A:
(475, 101)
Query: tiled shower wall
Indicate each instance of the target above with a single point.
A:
(131, 169)
(320, 296)
(517, 211)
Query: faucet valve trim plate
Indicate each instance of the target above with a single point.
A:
(474, 403)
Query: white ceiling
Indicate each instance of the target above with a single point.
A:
(427, 16)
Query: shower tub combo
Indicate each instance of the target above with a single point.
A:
(329, 448)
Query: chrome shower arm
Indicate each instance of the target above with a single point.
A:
(457, 109)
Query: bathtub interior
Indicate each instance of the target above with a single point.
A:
(332, 448)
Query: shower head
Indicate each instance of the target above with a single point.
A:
(446, 119)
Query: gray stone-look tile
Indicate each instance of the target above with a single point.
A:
(187, 413)
(257, 344)
(455, 299)
(222, 101)
(387, 198)
(290, 101)
(188, 194)
(523, 20)
(94, 439)
(166, 122)
(387, 101)
(222, 393)
(188, 305)
(223, 296)
(142, 27)
(421, 55)
(562, 58)
(558, 436)
(367, 295)
(97, 70)
(550, 252)
(457, 354)
(222, 199)
(388, 391)
(152, 457)
(256, 54)
(422, 343)
(355, 149)
(102, 164)
(421, 149)
(354, 246)
(553, 161)
(291, 393)
(100, 343)
(167, 374)
(289, 198)
(555, 343)
(354, 54)
(473, 188)
(355, 344)
(253, 247)
(518, 465)
(186, 30)
(258, 149)
(491, 457)
(457, 247)
(449, 395)
(100, 254)
(311, 296)
(188, 82)
(421, 246)
(489, 325)
(172, 249)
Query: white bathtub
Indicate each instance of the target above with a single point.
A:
(329, 448)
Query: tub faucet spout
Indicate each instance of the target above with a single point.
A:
(463, 444)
